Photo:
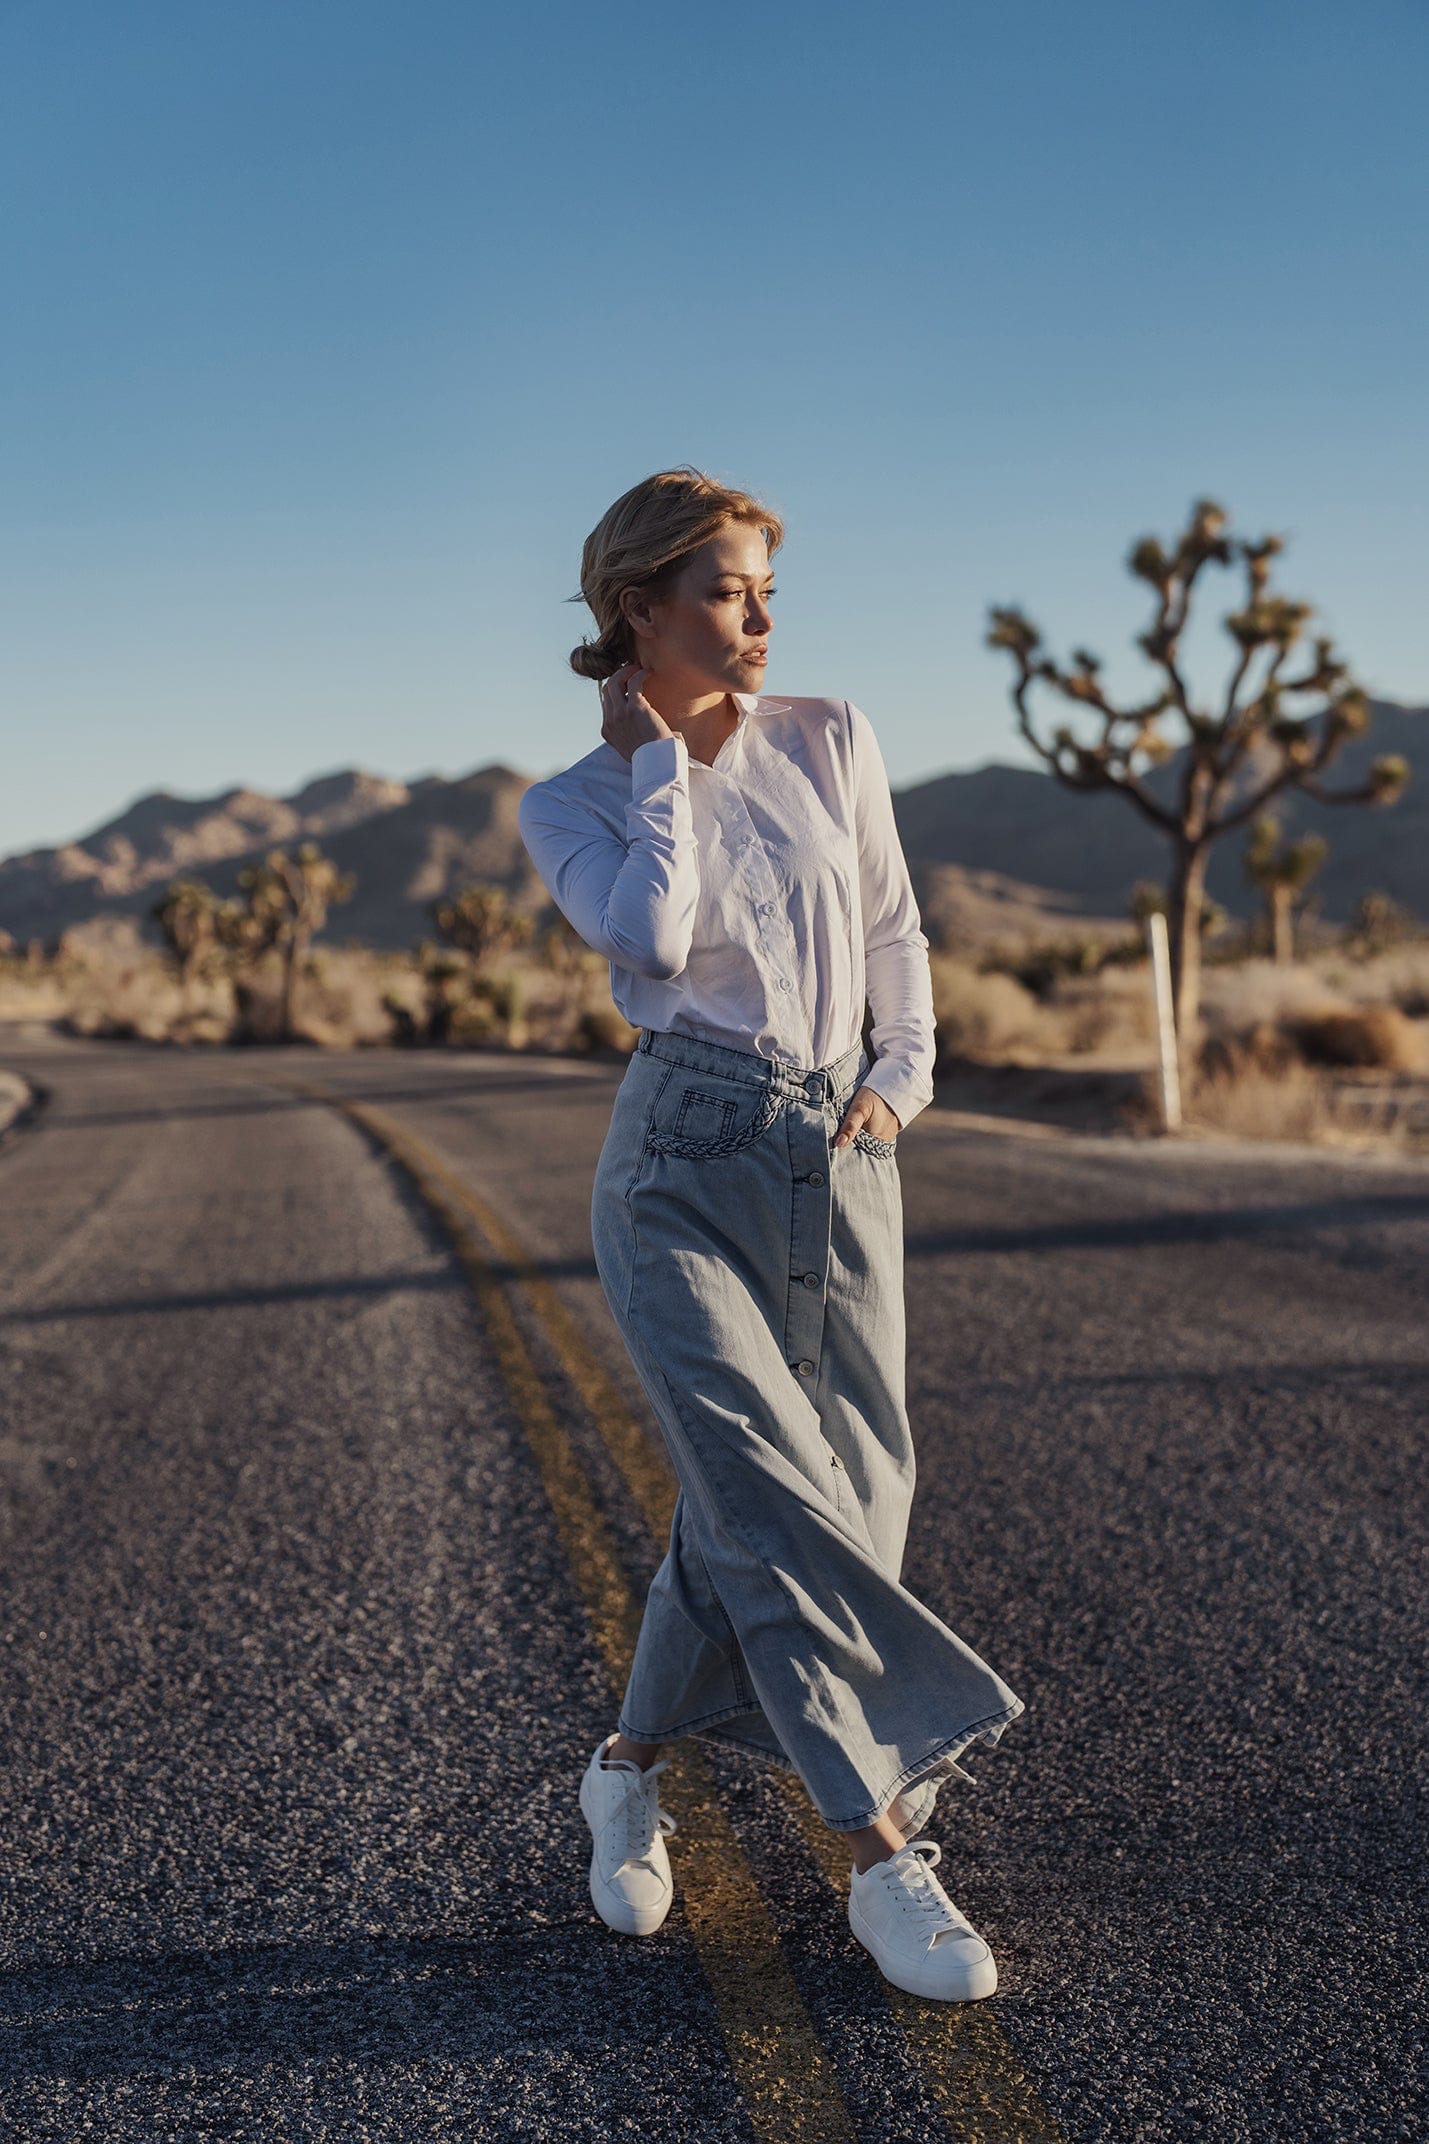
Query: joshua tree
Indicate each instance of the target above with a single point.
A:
(1234, 759)
(481, 923)
(187, 914)
(1379, 922)
(1283, 871)
(288, 898)
(562, 950)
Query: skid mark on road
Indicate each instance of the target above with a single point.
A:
(960, 2050)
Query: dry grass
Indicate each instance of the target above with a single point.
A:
(1294, 1102)
(136, 1000)
(1112, 1011)
(1257, 1101)
(991, 1018)
(1398, 977)
(1307, 1053)
(1273, 1076)
(1235, 999)
(347, 998)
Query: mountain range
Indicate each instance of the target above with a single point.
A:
(995, 851)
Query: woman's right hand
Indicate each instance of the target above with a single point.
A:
(629, 719)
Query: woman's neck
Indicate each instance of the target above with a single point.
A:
(675, 704)
(705, 720)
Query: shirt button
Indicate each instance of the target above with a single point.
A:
(784, 983)
(836, 1461)
(811, 1280)
(815, 1177)
(805, 1369)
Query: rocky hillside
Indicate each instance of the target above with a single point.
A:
(407, 845)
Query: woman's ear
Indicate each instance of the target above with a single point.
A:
(636, 607)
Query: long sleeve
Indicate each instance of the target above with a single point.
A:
(898, 978)
(632, 900)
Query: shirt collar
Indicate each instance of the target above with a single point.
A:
(754, 703)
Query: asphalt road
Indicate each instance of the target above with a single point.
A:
(318, 1536)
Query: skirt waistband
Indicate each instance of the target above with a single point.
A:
(824, 1083)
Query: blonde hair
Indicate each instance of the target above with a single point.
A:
(642, 541)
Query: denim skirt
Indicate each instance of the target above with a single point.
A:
(756, 1277)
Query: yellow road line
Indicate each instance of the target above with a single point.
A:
(960, 2048)
(788, 2083)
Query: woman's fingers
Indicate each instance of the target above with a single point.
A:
(615, 690)
(627, 718)
(858, 1113)
(625, 695)
(854, 1116)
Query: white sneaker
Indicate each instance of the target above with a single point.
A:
(630, 1882)
(920, 1940)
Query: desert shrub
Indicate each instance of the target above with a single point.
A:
(983, 1015)
(341, 999)
(1377, 1036)
(1379, 922)
(1040, 966)
(1237, 998)
(1259, 1094)
(1399, 977)
(1253, 1100)
(123, 1000)
(475, 1023)
(1111, 1010)
(1264, 1047)
(605, 1028)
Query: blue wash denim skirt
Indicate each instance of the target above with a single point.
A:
(756, 1277)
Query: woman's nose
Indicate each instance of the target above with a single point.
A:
(761, 616)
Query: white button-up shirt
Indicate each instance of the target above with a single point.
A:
(759, 901)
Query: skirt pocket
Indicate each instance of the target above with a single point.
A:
(702, 1115)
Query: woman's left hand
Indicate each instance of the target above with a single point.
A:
(868, 1112)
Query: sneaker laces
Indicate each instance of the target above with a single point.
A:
(637, 1814)
(920, 1894)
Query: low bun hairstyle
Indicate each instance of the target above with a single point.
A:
(642, 541)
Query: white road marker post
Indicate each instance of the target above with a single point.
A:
(1165, 1022)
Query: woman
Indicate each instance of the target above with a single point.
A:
(735, 858)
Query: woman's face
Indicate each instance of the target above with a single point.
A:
(709, 632)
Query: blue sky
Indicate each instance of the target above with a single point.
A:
(333, 326)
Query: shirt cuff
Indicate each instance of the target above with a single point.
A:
(655, 764)
(905, 1091)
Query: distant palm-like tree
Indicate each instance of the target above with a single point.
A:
(1282, 870)
(286, 904)
(480, 923)
(187, 914)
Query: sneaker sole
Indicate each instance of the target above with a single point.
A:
(972, 1984)
(619, 1913)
